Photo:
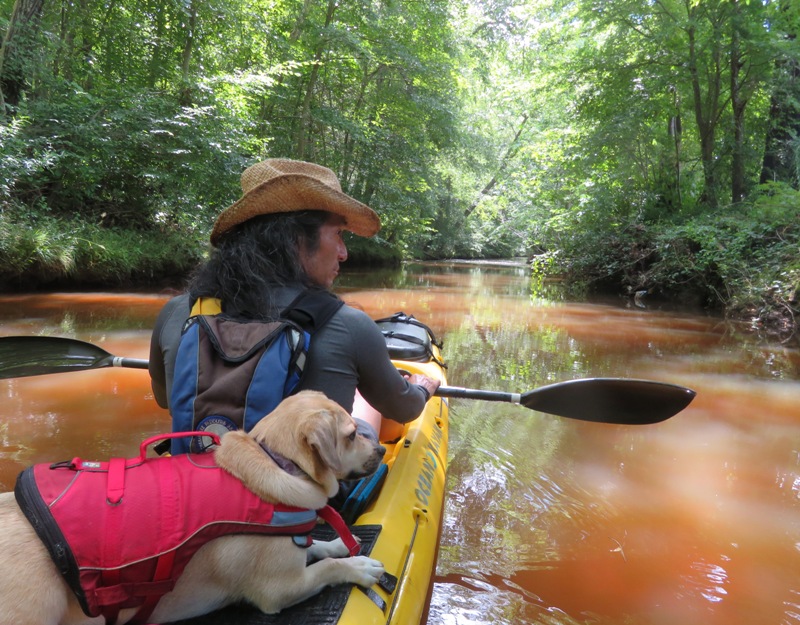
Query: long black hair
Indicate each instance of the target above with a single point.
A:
(257, 256)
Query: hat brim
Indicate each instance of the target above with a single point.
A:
(296, 192)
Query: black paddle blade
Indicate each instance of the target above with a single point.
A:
(610, 400)
(22, 356)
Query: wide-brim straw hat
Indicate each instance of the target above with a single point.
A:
(282, 185)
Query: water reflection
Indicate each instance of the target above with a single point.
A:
(548, 520)
(484, 279)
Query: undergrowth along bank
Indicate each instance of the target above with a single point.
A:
(45, 253)
(742, 260)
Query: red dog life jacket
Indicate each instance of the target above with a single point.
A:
(121, 532)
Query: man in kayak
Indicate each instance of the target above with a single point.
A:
(282, 238)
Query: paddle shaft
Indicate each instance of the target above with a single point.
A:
(600, 400)
(458, 392)
(130, 363)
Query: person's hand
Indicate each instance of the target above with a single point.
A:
(429, 384)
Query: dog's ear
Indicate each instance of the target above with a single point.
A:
(322, 436)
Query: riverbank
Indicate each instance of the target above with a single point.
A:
(67, 255)
(773, 322)
(56, 255)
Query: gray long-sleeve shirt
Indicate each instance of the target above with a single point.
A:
(348, 352)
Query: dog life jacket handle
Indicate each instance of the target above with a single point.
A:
(335, 520)
(149, 441)
(115, 489)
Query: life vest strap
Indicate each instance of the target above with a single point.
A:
(110, 598)
(115, 488)
(206, 306)
(334, 519)
(162, 575)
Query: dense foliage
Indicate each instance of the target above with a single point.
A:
(623, 144)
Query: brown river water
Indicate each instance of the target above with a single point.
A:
(695, 520)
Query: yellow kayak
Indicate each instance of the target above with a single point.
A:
(409, 510)
(397, 514)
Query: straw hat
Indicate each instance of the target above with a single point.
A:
(280, 185)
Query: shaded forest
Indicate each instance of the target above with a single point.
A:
(621, 145)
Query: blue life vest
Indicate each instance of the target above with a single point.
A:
(230, 371)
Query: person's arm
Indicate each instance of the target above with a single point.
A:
(382, 385)
(164, 346)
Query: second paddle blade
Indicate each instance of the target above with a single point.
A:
(610, 400)
(22, 356)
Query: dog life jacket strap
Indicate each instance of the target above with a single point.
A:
(115, 490)
(164, 566)
(335, 520)
(161, 584)
(116, 481)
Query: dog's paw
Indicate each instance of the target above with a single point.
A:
(366, 571)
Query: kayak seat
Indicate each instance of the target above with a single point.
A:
(408, 339)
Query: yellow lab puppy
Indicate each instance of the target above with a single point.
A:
(309, 432)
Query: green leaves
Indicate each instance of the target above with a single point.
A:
(607, 137)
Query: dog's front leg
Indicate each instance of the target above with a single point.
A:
(321, 549)
(360, 570)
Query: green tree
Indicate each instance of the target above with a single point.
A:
(614, 141)
(18, 51)
(712, 58)
(781, 161)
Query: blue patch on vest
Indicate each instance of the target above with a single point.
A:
(218, 425)
(265, 393)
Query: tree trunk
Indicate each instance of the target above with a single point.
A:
(510, 152)
(87, 48)
(18, 46)
(185, 97)
(268, 104)
(705, 109)
(676, 131)
(66, 35)
(738, 105)
(304, 117)
(349, 144)
(779, 163)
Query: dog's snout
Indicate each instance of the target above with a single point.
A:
(380, 450)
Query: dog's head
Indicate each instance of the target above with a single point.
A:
(320, 437)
